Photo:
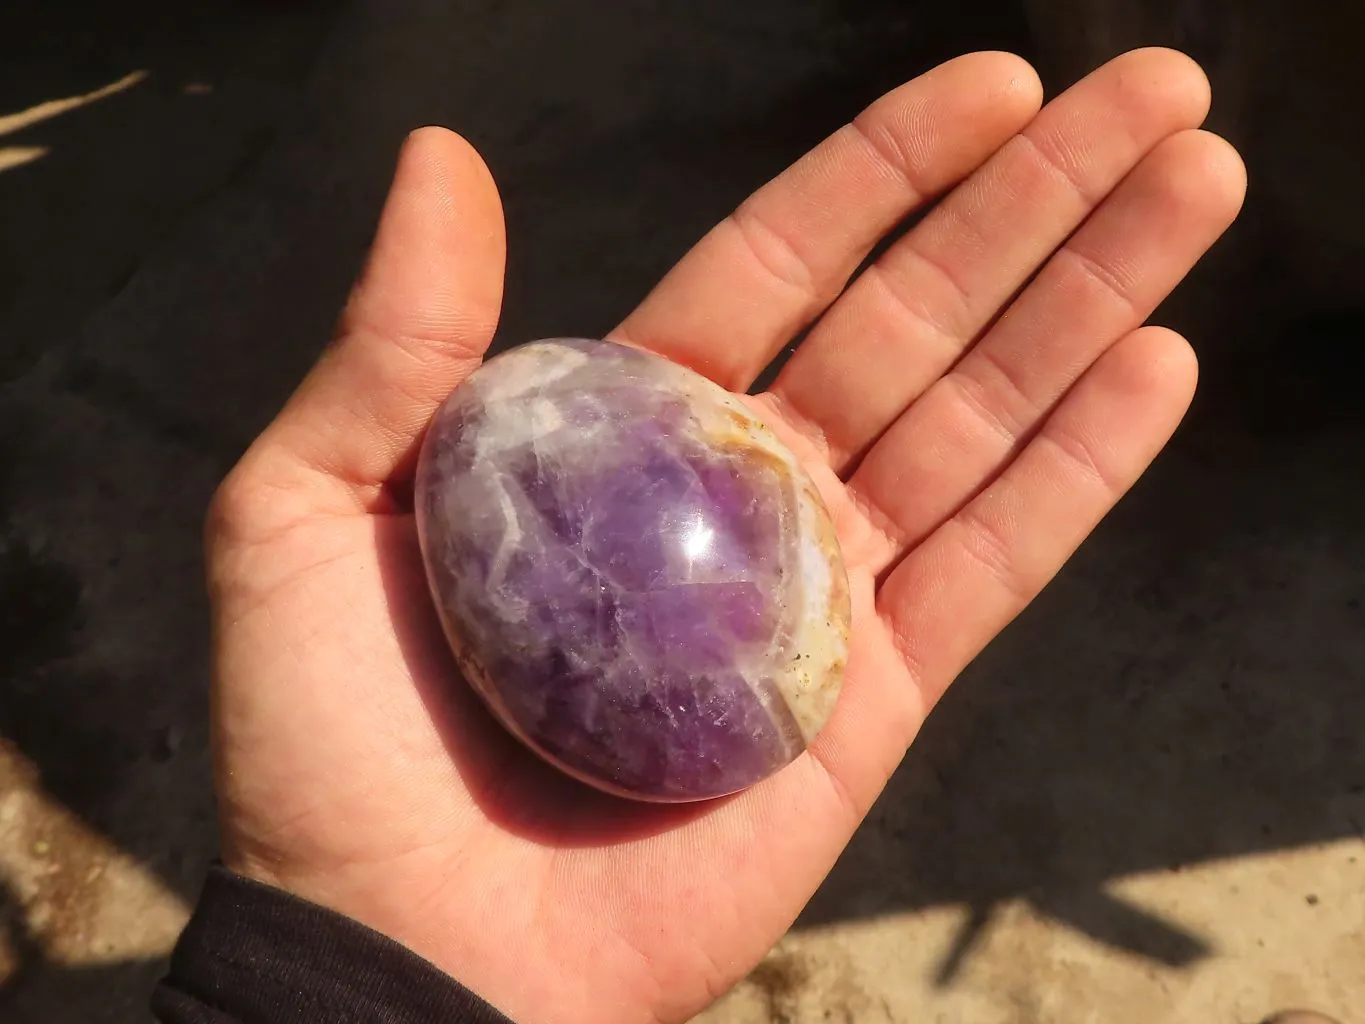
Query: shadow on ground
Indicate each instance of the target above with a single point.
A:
(1189, 689)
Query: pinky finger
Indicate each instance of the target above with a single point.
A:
(951, 595)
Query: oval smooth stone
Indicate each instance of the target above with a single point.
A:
(634, 573)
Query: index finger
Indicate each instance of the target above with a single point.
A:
(771, 267)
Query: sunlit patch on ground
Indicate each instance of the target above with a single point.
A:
(67, 895)
(17, 156)
(1284, 929)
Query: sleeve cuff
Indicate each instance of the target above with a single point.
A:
(255, 955)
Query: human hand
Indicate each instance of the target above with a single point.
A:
(970, 408)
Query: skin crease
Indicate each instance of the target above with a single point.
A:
(964, 455)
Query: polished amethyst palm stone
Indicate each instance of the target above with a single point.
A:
(634, 573)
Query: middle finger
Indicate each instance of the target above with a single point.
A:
(909, 318)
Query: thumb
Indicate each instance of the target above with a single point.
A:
(419, 320)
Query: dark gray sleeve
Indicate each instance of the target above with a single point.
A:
(255, 955)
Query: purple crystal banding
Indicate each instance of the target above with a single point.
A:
(634, 573)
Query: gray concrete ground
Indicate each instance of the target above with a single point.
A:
(1146, 802)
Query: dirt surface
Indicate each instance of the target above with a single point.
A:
(1146, 802)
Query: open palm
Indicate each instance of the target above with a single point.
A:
(970, 406)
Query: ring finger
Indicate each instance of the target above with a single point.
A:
(1100, 286)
